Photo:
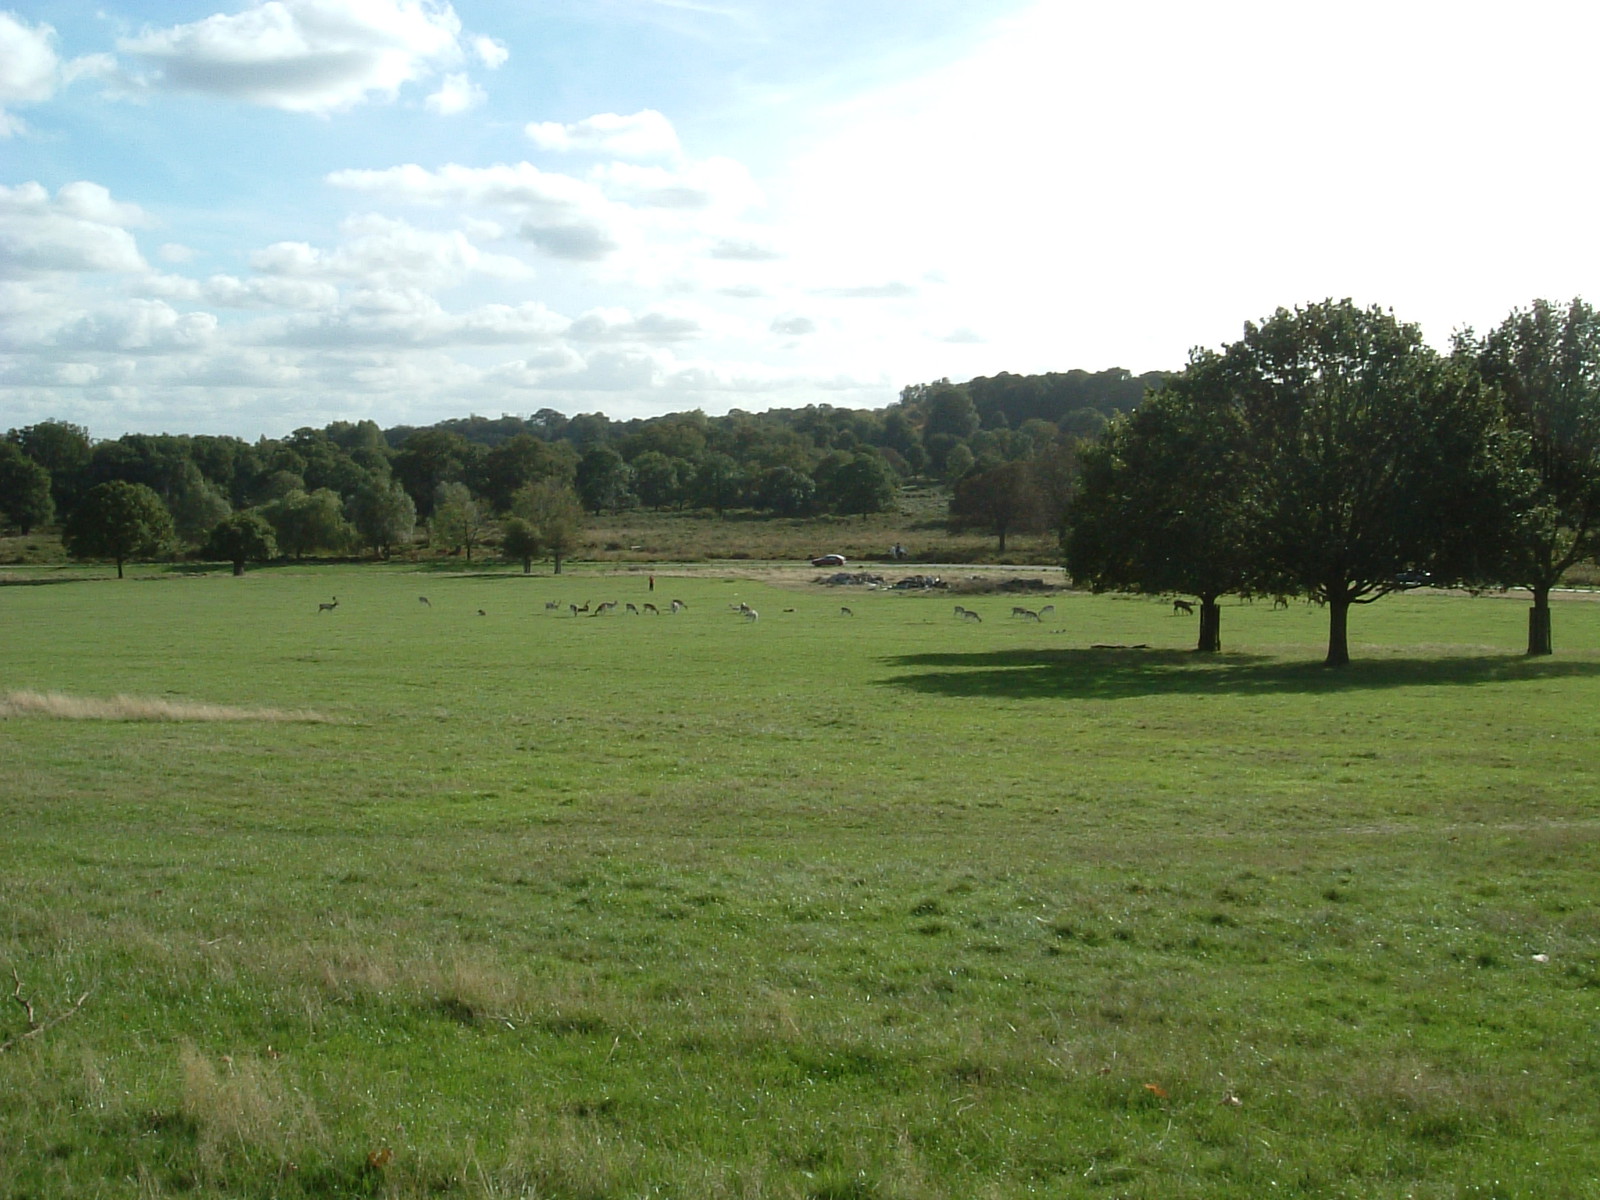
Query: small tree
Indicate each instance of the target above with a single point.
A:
(243, 537)
(520, 540)
(1003, 500)
(458, 519)
(554, 511)
(119, 521)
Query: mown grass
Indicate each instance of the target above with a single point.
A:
(816, 906)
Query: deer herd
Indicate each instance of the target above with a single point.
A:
(962, 613)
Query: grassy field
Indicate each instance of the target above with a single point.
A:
(404, 900)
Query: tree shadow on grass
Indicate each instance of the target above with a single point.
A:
(1120, 674)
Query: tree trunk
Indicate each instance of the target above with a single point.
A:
(1002, 532)
(1338, 632)
(119, 566)
(557, 557)
(1210, 625)
(527, 566)
(238, 568)
(1539, 622)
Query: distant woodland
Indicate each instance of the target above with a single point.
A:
(352, 485)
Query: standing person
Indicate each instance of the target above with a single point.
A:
(652, 583)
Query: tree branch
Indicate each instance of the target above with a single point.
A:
(35, 1026)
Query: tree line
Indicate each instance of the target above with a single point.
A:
(352, 486)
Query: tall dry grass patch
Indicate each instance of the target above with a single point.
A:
(242, 1111)
(139, 708)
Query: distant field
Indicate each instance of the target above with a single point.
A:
(404, 900)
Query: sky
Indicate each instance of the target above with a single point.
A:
(247, 216)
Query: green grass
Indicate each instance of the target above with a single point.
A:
(880, 906)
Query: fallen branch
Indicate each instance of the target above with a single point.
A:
(35, 1026)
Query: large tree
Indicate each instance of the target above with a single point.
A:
(1372, 456)
(1543, 364)
(118, 520)
(1163, 501)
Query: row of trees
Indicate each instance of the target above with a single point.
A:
(1331, 454)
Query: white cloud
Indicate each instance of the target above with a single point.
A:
(138, 326)
(409, 319)
(712, 183)
(491, 53)
(457, 94)
(645, 134)
(82, 229)
(29, 68)
(310, 56)
(173, 252)
(793, 325)
(383, 252)
(618, 325)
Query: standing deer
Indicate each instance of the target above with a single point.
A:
(324, 607)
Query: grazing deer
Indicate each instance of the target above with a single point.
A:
(751, 614)
(1182, 606)
(968, 615)
(845, 612)
(633, 608)
(552, 606)
(650, 608)
(322, 608)
(1048, 609)
(678, 606)
(960, 611)
(1025, 613)
(603, 609)
(481, 613)
(425, 602)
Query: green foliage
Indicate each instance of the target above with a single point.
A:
(1164, 501)
(382, 514)
(520, 542)
(243, 537)
(603, 480)
(459, 521)
(24, 490)
(197, 505)
(862, 484)
(553, 511)
(306, 522)
(1004, 499)
(1543, 364)
(119, 521)
(62, 449)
